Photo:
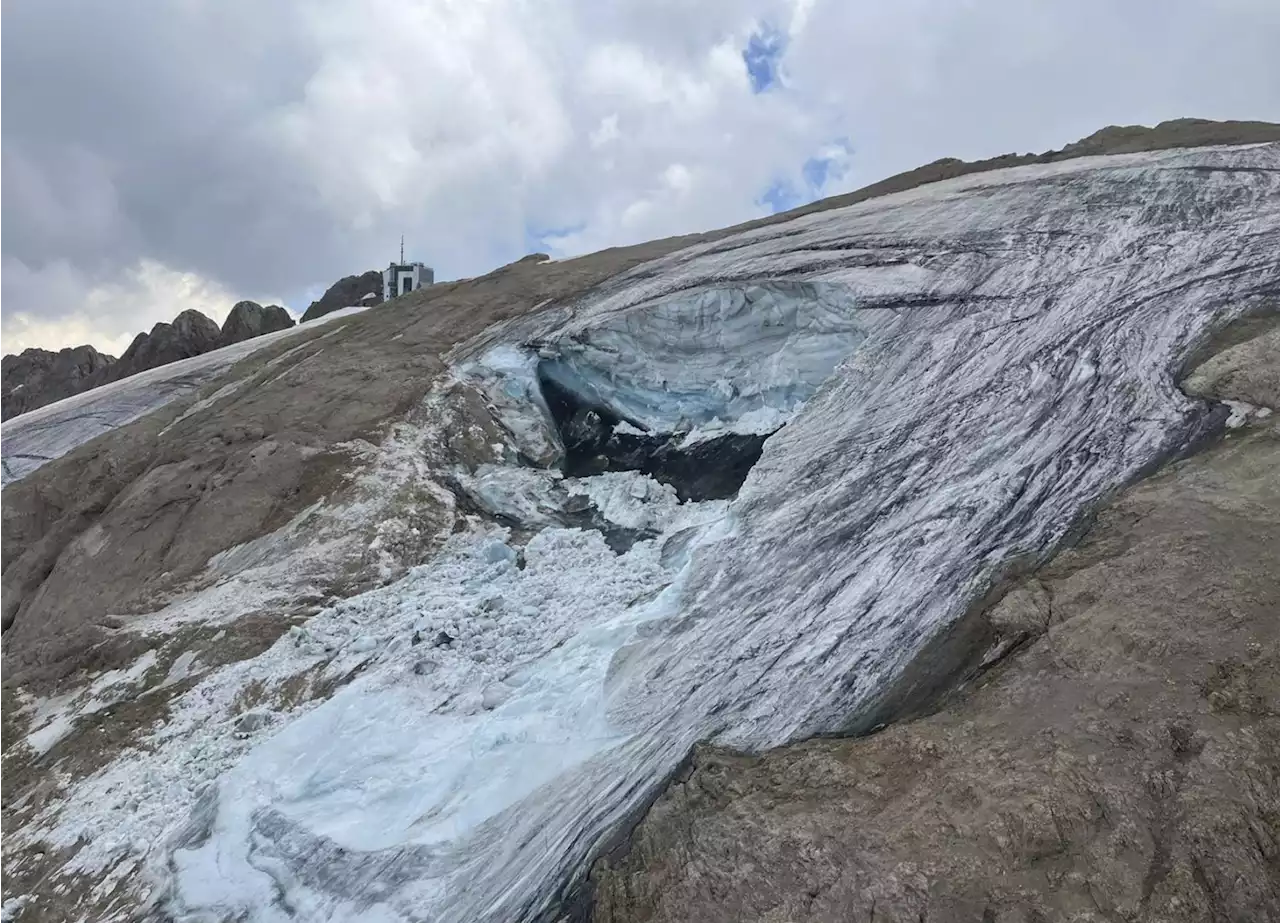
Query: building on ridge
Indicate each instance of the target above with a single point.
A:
(401, 278)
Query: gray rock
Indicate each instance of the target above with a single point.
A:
(249, 319)
(36, 377)
(347, 292)
(190, 334)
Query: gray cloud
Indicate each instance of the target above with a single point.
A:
(164, 155)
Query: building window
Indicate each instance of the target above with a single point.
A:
(406, 284)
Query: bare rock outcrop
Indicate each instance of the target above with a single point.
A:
(248, 319)
(1121, 765)
(347, 292)
(36, 377)
(190, 334)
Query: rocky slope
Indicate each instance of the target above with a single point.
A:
(317, 621)
(347, 292)
(32, 384)
(1119, 763)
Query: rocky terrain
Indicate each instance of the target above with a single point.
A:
(348, 291)
(190, 334)
(35, 382)
(313, 617)
(36, 377)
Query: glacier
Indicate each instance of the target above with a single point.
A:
(942, 380)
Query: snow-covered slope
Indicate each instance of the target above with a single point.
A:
(962, 369)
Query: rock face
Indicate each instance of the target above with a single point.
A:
(347, 292)
(996, 361)
(190, 334)
(1121, 764)
(36, 377)
(249, 319)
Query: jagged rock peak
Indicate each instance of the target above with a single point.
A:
(190, 334)
(249, 319)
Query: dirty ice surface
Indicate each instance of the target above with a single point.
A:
(51, 431)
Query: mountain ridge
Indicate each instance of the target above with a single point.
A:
(36, 377)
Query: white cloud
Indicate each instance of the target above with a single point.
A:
(411, 104)
(297, 141)
(107, 313)
(800, 10)
(606, 131)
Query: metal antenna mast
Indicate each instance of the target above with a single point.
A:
(402, 249)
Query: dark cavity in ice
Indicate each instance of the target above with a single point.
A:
(712, 469)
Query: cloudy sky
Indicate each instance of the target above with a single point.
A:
(188, 153)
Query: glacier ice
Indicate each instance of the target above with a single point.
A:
(707, 362)
(683, 388)
(418, 760)
(968, 365)
(718, 354)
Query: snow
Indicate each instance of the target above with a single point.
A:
(506, 377)
(632, 501)
(183, 667)
(962, 369)
(716, 353)
(710, 362)
(53, 719)
(623, 428)
(758, 422)
(1026, 375)
(1242, 412)
(40, 741)
(537, 497)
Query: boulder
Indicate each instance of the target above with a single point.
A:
(347, 292)
(249, 319)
